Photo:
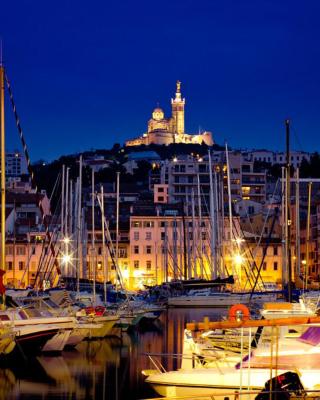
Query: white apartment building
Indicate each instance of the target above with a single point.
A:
(273, 157)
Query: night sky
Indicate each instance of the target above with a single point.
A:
(87, 74)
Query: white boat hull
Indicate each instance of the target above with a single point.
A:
(216, 301)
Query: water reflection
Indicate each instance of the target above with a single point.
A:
(102, 369)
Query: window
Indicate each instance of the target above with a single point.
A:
(135, 235)
(99, 265)
(162, 224)
(9, 250)
(275, 250)
(9, 265)
(99, 251)
(136, 249)
(21, 250)
(135, 224)
(190, 236)
(163, 236)
(160, 189)
(21, 265)
(122, 252)
(136, 264)
(264, 267)
(275, 266)
(148, 264)
(148, 249)
(160, 198)
(204, 235)
(148, 236)
(148, 224)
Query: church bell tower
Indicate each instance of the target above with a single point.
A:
(177, 105)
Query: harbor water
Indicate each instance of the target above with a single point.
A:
(108, 368)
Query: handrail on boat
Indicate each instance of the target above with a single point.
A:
(206, 324)
(157, 364)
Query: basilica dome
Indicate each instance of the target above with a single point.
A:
(158, 114)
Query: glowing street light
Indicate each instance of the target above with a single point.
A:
(238, 259)
(66, 240)
(66, 259)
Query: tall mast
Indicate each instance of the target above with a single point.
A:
(3, 171)
(213, 224)
(194, 253)
(284, 228)
(93, 264)
(288, 221)
(307, 267)
(298, 257)
(229, 199)
(117, 220)
(200, 227)
(104, 264)
(79, 228)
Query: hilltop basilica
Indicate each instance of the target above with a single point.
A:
(163, 130)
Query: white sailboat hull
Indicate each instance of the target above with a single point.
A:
(219, 300)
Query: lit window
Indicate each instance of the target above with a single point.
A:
(136, 264)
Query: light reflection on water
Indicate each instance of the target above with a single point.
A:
(102, 369)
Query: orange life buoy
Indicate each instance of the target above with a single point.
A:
(239, 312)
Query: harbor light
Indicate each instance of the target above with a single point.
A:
(66, 258)
(238, 259)
(239, 241)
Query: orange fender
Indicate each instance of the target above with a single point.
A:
(239, 312)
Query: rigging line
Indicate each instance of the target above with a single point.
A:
(29, 167)
(43, 257)
(296, 137)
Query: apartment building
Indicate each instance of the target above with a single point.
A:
(188, 176)
(273, 157)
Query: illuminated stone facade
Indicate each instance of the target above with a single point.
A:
(163, 130)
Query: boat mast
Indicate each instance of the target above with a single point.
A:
(93, 264)
(200, 228)
(195, 275)
(306, 272)
(104, 263)
(288, 219)
(230, 207)
(117, 220)
(79, 226)
(3, 171)
(298, 257)
(213, 223)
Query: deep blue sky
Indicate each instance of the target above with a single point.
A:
(87, 74)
